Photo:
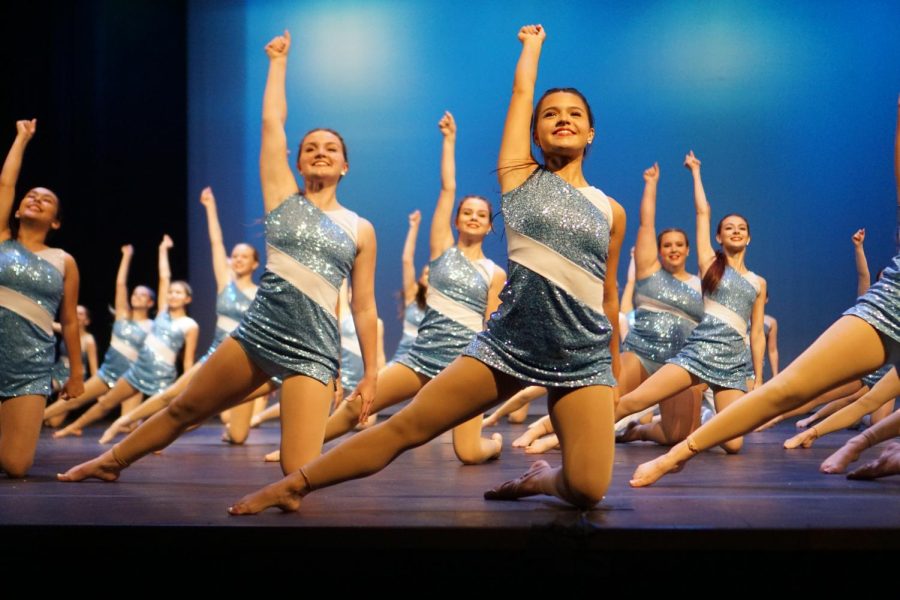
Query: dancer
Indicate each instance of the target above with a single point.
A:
(35, 282)
(155, 368)
(414, 290)
(87, 346)
(291, 328)
(463, 288)
(557, 324)
(864, 338)
(716, 352)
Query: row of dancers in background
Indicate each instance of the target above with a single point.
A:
(485, 336)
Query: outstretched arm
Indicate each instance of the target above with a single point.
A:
(165, 273)
(626, 304)
(705, 252)
(122, 306)
(274, 170)
(68, 317)
(772, 347)
(408, 258)
(441, 231)
(863, 278)
(515, 147)
(219, 255)
(645, 252)
(365, 316)
(10, 174)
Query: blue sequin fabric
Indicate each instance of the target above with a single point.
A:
(541, 334)
(880, 306)
(285, 332)
(875, 376)
(666, 312)
(715, 351)
(441, 339)
(352, 367)
(26, 350)
(412, 319)
(151, 373)
(130, 333)
(231, 303)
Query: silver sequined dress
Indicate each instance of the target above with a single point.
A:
(880, 306)
(352, 367)
(550, 329)
(155, 370)
(717, 351)
(31, 288)
(127, 340)
(231, 304)
(291, 327)
(412, 318)
(457, 299)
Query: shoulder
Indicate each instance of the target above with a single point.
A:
(499, 275)
(365, 232)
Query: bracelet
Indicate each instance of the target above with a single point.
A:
(116, 457)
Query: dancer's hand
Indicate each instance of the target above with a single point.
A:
(26, 129)
(532, 32)
(128, 250)
(691, 162)
(166, 242)
(207, 198)
(279, 46)
(365, 391)
(447, 125)
(415, 217)
(651, 175)
(858, 238)
(73, 388)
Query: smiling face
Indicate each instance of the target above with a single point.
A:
(733, 233)
(322, 156)
(563, 124)
(83, 316)
(141, 298)
(179, 295)
(40, 206)
(673, 250)
(473, 217)
(244, 260)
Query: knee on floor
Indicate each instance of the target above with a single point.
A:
(733, 446)
(586, 490)
(16, 467)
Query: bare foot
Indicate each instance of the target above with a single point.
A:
(536, 430)
(804, 438)
(490, 421)
(632, 433)
(274, 456)
(103, 467)
(545, 444)
(804, 423)
(521, 487)
(846, 454)
(649, 472)
(885, 465)
(66, 432)
(285, 494)
(112, 431)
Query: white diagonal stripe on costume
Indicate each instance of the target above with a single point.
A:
(160, 350)
(227, 324)
(726, 315)
(26, 308)
(307, 281)
(124, 348)
(454, 310)
(654, 305)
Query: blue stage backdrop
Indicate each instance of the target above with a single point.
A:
(790, 108)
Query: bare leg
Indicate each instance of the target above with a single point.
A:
(542, 445)
(238, 428)
(470, 447)
(304, 410)
(223, 381)
(668, 381)
(583, 419)
(20, 428)
(848, 349)
(885, 429)
(679, 416)
(883, 412)
(473, 388)
(724, 399)
(885, 465)
(108, 401)
(396, 383)
(538, 429)
(93, 388)
(516, 404)
(144, 410)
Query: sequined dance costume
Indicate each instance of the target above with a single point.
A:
(875, 376)
(31, 288)
(550, 328)
(880, 307)
(666, 311)
(231, 304)
(718, 350)
(154, 370)
(127, 340)
(291, 327)
(352, 367)
(412, 319)
(457, 299)
(61, 370)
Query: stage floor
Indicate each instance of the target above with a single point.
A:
(763, 499)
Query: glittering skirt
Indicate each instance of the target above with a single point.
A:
(114, 366)
(403, 348)
(541, 335)
(874, 377)
(440, 341)
(715, 353)
(657, 337)
(286, 333)
(26, 357)
(149, 375)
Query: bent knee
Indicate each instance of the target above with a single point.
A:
(183, 412)
(586, 491)
(16, 468)
(733, 446)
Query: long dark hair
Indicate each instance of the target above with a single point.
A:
(717, 269)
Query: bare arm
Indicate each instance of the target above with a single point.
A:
(275, 173)
(758, 334)
(381, 358)
(645, 252)
(91, 350)
(498, 280)
(219, 255)
(610, 285)
(190, 347)
(515, 147)
(705, 252)
(122, 306)
(165, 273)
(68, 316)
(441, 231)
(10, 174)
(863, 277)
(365, 315)
(626, 304)
(772, 346)
(408, 258)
